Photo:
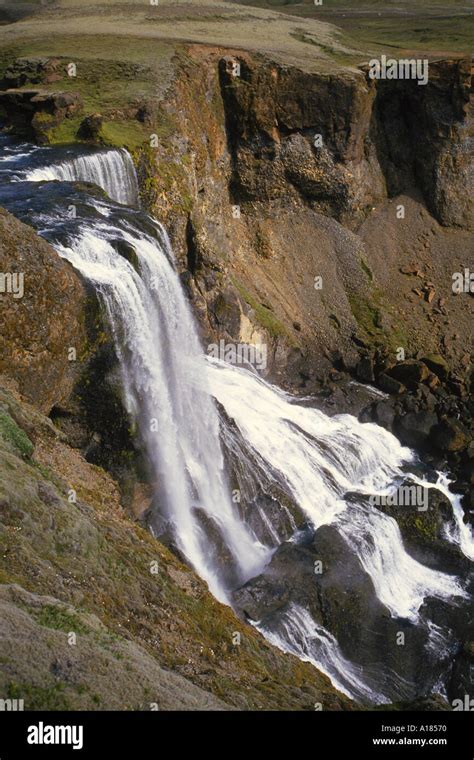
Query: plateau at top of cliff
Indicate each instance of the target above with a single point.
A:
(312, 36)
(209, 22)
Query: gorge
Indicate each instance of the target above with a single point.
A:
(325, 470)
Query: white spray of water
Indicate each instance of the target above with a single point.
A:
(320, 459)
(313, 643)
(461, 533)
(112, 170)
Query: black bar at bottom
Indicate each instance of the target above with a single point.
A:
(117, 735)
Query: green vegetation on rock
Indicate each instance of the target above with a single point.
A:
(51, 616)
(15, 437)
(265, 316)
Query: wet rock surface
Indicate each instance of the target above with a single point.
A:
(340, 596)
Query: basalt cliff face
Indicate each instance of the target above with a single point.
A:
(291, 176)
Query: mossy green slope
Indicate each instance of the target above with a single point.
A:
(147, 629)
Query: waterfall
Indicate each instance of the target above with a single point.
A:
(164, 381)
(318, 460)
(170, 392)
(112, 170)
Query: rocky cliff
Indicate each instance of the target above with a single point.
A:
(43, 337)
(278, 184)
(293, 176)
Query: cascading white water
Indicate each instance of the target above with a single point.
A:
(320, 459)
(462, 531)
(401, 582)
(112, 170)
(301, 636)
(163, 369)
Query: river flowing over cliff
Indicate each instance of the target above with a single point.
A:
(216, 433)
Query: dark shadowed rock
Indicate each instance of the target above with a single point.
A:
(390, 384)
(226, 310)
(415, 428)
(341, 598)
(90, 127)
(411, 373)
(380, 412)
(365, 370)
(437, 364)
(384, 414)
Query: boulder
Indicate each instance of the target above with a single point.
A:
(390, 384)
(411, 373)
(450, 435)
(384, 414)
(91, 127)
(437, 364)
(380, 412)
(415, 428)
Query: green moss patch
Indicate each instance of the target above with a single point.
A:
(367, 312)
(14, 436)
(265, 316)
(39, 697)
(56, 617)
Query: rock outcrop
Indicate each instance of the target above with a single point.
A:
(34, 112)
(424, 135)
(43, 338)
(293, 184)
